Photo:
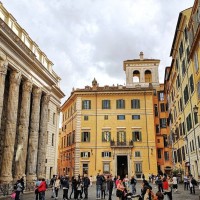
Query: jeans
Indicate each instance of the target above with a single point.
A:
(133, 189)
(86, 192)
(98, 191)
(17, 195)
(42, 195)
(65, 193)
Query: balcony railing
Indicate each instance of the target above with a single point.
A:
(121, 144)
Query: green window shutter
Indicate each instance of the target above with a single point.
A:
(117, 136)
(102, 136)
(89, 102)
(138, 103)
(109, 154)
(133, 136)
(131, 103)
(88, 154)
(109, 136)
(81, 154)
(82, 134)
(140, 136)
(102, 154)
(124, 136)
(83, 104)
(102, 104)
(88, 136)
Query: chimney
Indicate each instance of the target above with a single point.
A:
(141, 56)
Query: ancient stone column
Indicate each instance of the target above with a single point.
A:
(42, 147)
(23, 128)
(33, 135)
(11, 124)
(3, 72)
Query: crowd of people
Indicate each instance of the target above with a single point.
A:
(125, 187)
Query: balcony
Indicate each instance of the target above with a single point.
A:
(116, 144)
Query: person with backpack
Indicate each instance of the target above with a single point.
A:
(65, 186)
(86, 184)
(145, 186)
(160, 184)
(110, 187)
(42, 188)
(192, 184)
(18, 188)
(133, 185)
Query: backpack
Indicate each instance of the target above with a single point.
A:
(134, 181)
(194, 182)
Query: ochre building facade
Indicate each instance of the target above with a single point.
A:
(112, 129)
(29, 105)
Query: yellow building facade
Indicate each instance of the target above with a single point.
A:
(112, 129)
(183, 96)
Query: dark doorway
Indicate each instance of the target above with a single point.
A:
(122, 166)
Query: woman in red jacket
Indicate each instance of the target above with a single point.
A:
(41, 189)
(167, 189)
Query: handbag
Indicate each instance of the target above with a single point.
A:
(119, 193)
(13, 195)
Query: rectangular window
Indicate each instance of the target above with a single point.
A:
(120, 117)
(191, 84)
(183, 128)
(85, 137)
(86, 104)
(181, 50)
(195, 117)
(177, 65)
(198, 139)
(120, 104)
(163, 123)
(105, 117)
(157, 129)
(183, 152)
(105, 104)
(135, 117)
(162, 107)
(189, 122)
(85, 168)
(137, 154)
(186, 95)
(161, 96)
(198, 90)
(106, 168)
(178, 82)
(138, 167)
(192, 145)
(135, 104)
(185, 34)
(121, 136)
(106, 154)
(86, 117)
(106, 135)
(156, 110)
(166, 154)
(183, 67)
(196, 62)
(136, 136)
(52, 140)
(85, 154)
(181, 104)
(175, 157)
(159, 152)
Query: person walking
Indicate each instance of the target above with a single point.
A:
(65, 186)
(57, 186)
(133, 185)
(192, 183)
(42, 188)
(110, 187)
(167, 189)
(86, 184)
(73, 186)
(98, 186)
(37, 183)
(120, 190)
(160, 184)
(186, 181)
(18, 188)
(175, 183)
(103, 189)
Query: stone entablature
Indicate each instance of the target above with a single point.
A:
(24, 41)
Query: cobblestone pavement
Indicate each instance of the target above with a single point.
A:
(180, 195)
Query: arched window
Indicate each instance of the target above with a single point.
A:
(148, 76)
(136, 76)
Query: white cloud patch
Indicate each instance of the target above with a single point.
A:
(92, 38)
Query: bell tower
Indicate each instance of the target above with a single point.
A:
(141, 72)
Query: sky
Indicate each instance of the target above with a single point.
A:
(87, 39)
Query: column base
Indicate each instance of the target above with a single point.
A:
(31, 178)
(6, 179)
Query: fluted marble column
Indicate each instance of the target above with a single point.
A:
(10, 133)
(43, 137)
(33, 136)
(23, 128)
(3, 72)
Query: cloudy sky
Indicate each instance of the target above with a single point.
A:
(91, 38)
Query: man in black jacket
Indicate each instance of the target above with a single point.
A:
(110, 187)
(65, 186)
(86, 183)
